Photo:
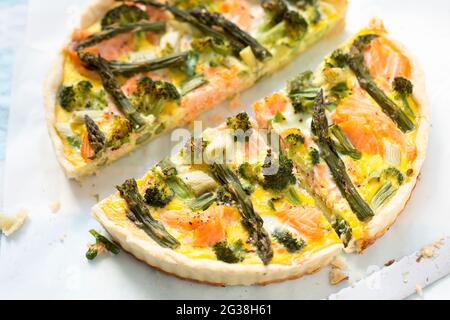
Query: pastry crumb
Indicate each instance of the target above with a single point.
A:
(405, 276)
(55, 206)
(10, 224)
(62, 238)
(339, 263)
(389, 263)
(419, 290)
(430, 250)
(336, 276)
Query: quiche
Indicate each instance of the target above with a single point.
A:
(135, 69)
(357, 130)
(226, 210)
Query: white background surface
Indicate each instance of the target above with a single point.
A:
(46, 258)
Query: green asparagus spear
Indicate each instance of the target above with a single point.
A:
(337, 167)
(215, 19)
(111, 85)
(250, 219)
(112, 31)
(141, 216)
(185, 16)
(356, 63)
(96, 137)
(100, 240)
(129, 69)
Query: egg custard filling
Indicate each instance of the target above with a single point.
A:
(356, 129)
(235, 211)
(135, 69)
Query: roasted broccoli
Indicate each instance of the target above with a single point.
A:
(296, 25)
(151, 96)
(223, 196)
(282, 25)
(403, 89)
(158, 194)
(230, 252)
(305, 4)
(81, 96)
(123, 14)
(275, 11)
(286, 238)
(294, 140)
(119, 132)
(338, 59)
(394, 173)
(278, 174)
(241, 125)
(338, 92)
(210, 44)
(302, 92)
(249, 172)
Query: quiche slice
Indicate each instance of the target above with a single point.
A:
(135, 69)
(357, 130)
(226, 210)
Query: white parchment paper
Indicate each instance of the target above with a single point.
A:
(46, 258)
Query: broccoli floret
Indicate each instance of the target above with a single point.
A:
(296, 25)
(223, 196)
(403, 89)
(249, 172)
(286, 238)
(338, 59)
(304, 4)
(210, 44)
(123, 14)
(314, 156)
(158, 194)
(294, 140)
(302, 92)
(241, 125)
(275, 9)
(81, 96)
(282, 25)
(119, 132)
(151, 96)
(230, 252)
(240, 122)
(394, 173)
(402, 86)
(338, 92)
(279, 175)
